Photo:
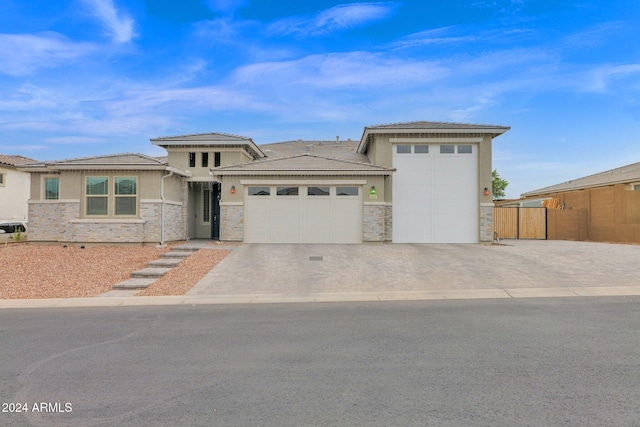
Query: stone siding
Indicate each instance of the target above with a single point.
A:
(108, 231)
(388, 222)
(486, 222)
(44, 222)
(150, 212)
(175, 225)
(232, 223)
(374, 220)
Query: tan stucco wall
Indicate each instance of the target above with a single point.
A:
(179, 157)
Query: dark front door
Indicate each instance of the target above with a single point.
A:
(215, 211)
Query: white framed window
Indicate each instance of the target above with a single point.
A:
(447, 149)
(2, 179)
(636, 187)
(97, 195)
(317, 191)
(126, 195)
(287, 191)
(465, 149)
(403, 149)
(347, 191)
(259, 191)
(51, 188)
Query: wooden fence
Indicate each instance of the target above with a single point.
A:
(520, 223)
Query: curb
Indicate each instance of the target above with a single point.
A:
(451, 294)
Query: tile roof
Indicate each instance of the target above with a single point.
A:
(436, 125)
(345, 150)
(12, 160)
(202, 138)
(110, 159)
(624, 174)
(303, 164)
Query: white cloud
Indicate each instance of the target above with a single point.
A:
(24, 54)
(118, 25)
(338, 18)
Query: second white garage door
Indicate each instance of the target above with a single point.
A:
(435, 194)
(303, 214)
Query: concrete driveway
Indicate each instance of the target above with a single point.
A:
(518, 268)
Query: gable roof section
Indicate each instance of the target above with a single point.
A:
(622, 175)
(125, 161)
(12, 160)
(425, 127)
(303, 164)
(209, 140)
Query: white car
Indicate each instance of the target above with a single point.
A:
(11, 229)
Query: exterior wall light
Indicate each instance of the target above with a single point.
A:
(373, 190)
(486, 191)
(233, 189)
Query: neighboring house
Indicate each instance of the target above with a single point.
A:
(14, 187)
(417, 182)
(601, 207)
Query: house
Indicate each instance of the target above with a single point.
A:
(14, 187)
(601, 207)
(416, 182)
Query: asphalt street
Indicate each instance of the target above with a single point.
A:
(516, 362)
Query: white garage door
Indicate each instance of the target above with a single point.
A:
(435, 193)
(303, 214)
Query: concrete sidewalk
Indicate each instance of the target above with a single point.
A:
(393, 272)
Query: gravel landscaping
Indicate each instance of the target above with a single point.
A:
(53, 271)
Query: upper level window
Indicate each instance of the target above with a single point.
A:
(2, 179)
(192, 160)
(447, 149)
(126, 193)
(465, 149)
(403, 149)
(216, 159)
(51, 188)
(205, 160)
(636, 187)
(97, 195)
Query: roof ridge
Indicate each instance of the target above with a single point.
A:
(159, 138)
(103, 156)
(436, 123)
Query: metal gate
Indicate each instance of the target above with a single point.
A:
(520, 223)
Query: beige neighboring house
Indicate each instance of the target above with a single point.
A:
(601, 207)
(14, 188)
(415, 182)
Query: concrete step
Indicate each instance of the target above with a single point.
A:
(165, 262)
(175, 254)
(186, 248)
(150, 272)
(139, 283)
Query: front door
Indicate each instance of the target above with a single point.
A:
(215, 211)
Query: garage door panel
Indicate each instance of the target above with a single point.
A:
(257, 220)
(317, 227)
(347, 220)
(286, 219)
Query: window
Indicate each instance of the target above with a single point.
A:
(287, 191)
(403, 149)
(259, 191)
(206, 205)
(317, 191)
(216, 159)
(97, 195)
(125, 195)
(465, 149)
(51, 188)
(192, 160)
(636, 187)
(421, 149)
(346, 191)
(447, 149)
(2, 179)
(205, 160)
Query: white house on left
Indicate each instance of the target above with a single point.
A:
(14, 187)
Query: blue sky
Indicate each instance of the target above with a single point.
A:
(90, 77)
